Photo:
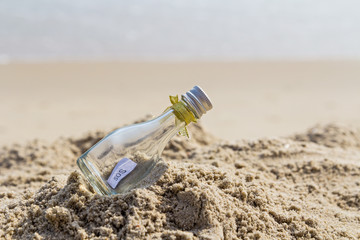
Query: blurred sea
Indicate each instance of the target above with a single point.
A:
(41, 30)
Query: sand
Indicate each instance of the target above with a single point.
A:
(252, 99)
(305, 185)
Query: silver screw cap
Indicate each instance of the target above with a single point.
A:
(197, 99)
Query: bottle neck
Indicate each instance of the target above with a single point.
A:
(183, 111)
(170, 126)
(169, 123)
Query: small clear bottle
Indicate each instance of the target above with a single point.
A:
(126, 156)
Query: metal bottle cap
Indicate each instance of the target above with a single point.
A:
(197, 99)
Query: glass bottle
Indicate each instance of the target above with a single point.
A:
(126, 156)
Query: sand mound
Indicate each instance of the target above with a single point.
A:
(332, 135)
(303, 186)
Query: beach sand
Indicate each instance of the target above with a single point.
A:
(251, 99)
(270, 164)
(302, 186)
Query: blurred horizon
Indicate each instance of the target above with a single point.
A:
(270, 67)
(179, 30)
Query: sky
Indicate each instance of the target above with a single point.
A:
(185, 30)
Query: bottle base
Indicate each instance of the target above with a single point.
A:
(93, 177)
